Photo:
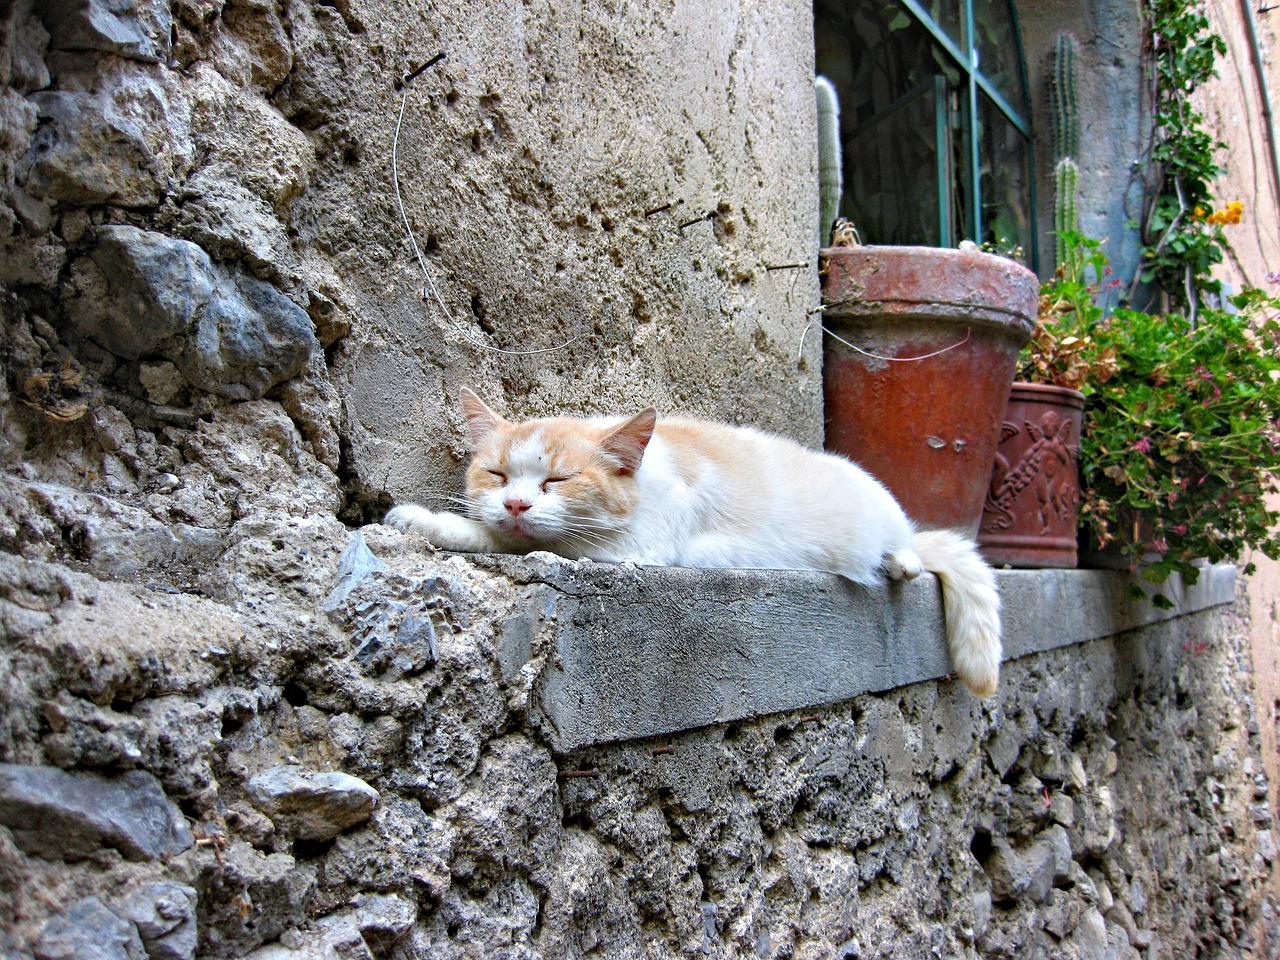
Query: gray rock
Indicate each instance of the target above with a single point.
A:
(143, 294)
(89, 931)
(383, 919)
(312, 804)
(1090, 936)
(133, 29)
(57, 815)
(122, 145)
(354, 564)
(141, 553)
(165, 915)
(1266, 844)
(153, 287)
(332, 937)
(249, 338)
(1003, 749)
(1039, 859)
(1008, 872)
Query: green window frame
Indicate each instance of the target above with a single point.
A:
(935, 124)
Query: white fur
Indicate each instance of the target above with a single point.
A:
(737, 497)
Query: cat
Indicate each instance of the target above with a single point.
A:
(692, 493)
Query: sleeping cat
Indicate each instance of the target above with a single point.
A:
(691, 493)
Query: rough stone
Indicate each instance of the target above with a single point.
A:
(145, 289)
(134, 29)
(383, 920)
(233, 335)
(354, 564)
(69, 816)
(89, 931)
(312, 804)
(165, 916)
(123, 146)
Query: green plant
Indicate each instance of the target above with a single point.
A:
(1181, 441)
(830, 172)
(1065, 128)
(1181, 243)
(1066, 218)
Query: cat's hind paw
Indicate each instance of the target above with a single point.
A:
(903, 565)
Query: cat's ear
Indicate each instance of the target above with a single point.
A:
(481, 421)
(627, 441)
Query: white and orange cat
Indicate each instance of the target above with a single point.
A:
(691, 493)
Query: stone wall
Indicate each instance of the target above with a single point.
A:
(218, 359)
(354, 765)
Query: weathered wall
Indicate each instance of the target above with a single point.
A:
(617, 178)
(1109, 800)
(1235, 106)
(1112, 113)
(215, 346)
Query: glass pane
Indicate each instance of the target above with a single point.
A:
(1005, 185)
(874, 52)
(998, 50)
(946, 16)
(891, 186)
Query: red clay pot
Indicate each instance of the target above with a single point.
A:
(1032, 510)
(916, 393)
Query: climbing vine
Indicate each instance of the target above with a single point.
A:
(1181, 231)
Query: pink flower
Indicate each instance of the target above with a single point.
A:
(1180, 529)
(1141, 446)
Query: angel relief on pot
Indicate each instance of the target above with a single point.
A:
(1032, 506)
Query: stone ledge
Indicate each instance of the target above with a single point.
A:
(641, 652)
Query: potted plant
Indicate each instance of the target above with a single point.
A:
(1032, 509)
(920, 351)
(1181, 436)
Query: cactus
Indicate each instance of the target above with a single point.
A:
(1063, 102)
(1065, 128)
(1066, 218)
(830, 171)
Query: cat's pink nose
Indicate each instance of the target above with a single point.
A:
(516, 505)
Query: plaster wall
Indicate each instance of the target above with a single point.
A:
(1111, 109)
(1236, 109)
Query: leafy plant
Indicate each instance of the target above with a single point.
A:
(1181, 441)
(1180, 244)
(1065, 348)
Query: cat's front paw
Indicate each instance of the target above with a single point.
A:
(411, 518)
(445, 530)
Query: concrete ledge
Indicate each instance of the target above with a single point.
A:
(646, 651)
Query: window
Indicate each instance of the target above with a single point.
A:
(934, 123)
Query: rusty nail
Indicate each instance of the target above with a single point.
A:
(413, 74)
(570, 774)
(705, 216)
(665, 206)
(813, 718)
(664, 749)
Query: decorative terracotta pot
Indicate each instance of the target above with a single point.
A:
(920, 353)
(1032, 509)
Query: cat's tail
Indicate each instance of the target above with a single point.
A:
(971, 604)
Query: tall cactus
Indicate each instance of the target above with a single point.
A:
(1065, 129)
(1064, 106)
(830, 168)
(1065, 215)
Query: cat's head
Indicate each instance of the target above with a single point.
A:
(554, 480)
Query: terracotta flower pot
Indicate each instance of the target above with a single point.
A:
(1032, 510)
(917, 366)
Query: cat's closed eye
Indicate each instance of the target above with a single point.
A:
(498, 475)
(550, 480)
